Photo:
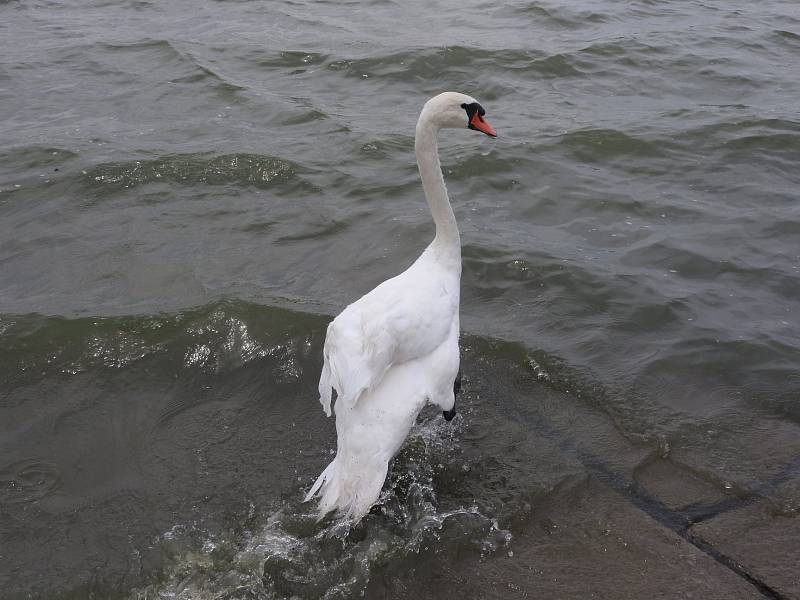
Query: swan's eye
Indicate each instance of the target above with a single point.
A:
(471, 109)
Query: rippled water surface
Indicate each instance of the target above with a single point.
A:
(188, 190)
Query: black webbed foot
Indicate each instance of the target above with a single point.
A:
(449, 414)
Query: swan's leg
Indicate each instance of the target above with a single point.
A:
(449, 414)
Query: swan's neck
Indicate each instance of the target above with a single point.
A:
(430, 170)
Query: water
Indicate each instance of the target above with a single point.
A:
(189, 190)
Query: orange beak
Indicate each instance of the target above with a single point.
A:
(479, 124)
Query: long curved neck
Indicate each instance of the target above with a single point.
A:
(430, 170)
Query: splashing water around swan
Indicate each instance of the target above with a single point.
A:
(396, 348)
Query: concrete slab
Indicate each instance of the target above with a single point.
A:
(677, 486)
(764, 538)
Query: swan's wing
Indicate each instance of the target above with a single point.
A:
(358, 352)
(402, 319)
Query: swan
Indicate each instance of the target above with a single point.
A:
(396, 348)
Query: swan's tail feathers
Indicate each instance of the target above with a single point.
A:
(318, 483)
(348, 487)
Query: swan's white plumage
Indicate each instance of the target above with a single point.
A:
(396, 348)
(371, 433)
(404, 318)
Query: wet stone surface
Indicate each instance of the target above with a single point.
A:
(588, 541)
(677, 486)
(764, 538)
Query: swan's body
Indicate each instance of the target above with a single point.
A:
(396, 348)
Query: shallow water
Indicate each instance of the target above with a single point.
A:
(188, 190)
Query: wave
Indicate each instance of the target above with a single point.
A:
(426, 63)
(190, 169)
(181, 65)
(215, 338)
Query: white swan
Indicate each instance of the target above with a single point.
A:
(396, 348)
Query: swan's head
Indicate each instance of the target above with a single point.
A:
(453, 110)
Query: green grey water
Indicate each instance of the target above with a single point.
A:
(188, 191)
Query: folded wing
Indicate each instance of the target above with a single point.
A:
(402, 319)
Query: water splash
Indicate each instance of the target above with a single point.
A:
(286, 552)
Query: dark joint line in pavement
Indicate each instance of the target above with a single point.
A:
(679, 522)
